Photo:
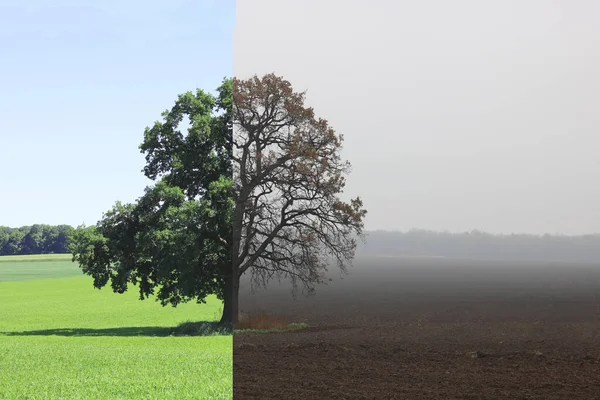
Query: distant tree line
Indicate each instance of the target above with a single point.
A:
(35, 239)
(481, 245)
(48, 239)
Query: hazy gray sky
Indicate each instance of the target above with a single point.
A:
(457, 115)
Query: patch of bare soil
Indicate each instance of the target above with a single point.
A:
(401, 335)
(261, 320)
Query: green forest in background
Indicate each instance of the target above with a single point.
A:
(35, 239)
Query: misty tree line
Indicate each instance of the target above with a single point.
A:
(476, 244)
(35, 239)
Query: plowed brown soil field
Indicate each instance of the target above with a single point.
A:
(411, 328)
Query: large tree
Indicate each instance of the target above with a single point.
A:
(253, 186)
(288, 219)
(174, 242)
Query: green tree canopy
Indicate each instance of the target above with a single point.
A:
(265, 200)
(35, 239)
(174, 241)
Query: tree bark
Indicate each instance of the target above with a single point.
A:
(235, 302)
(230, 315)
(234, 271)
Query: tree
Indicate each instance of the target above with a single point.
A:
(288, 219)
(13, 245)
(32, 241)
(49, 238)
(35, 239)
(265, 200)
(4, 238)
(174, 241)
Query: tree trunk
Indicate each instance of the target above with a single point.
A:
(234, 272)
(230, 315)
(235, 302)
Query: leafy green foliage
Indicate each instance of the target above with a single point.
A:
(174, 241)
(35, 239)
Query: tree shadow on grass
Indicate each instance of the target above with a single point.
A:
(202, 328)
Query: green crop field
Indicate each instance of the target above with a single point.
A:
(62, 339)
(19, 268)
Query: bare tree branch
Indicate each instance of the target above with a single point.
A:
(289, 177)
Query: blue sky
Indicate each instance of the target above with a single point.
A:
(78, 85)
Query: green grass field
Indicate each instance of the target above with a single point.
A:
(62, 339)
(19, 268)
